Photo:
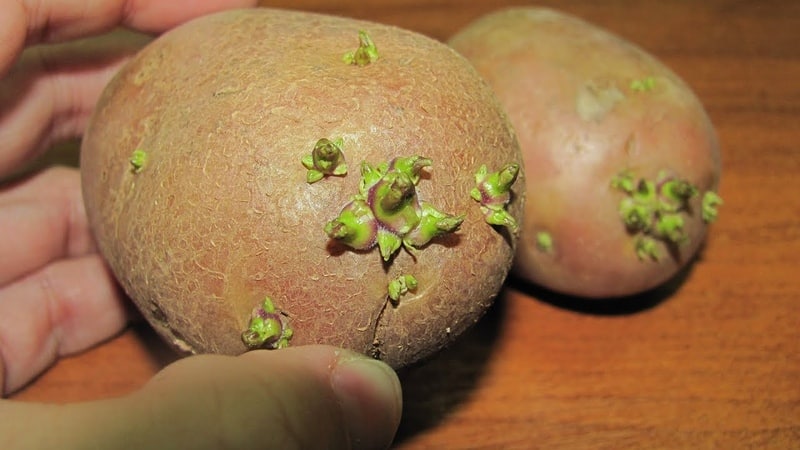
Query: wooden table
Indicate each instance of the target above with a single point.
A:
(711, 360)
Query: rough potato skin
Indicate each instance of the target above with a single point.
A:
(221, 215)
(566, 86)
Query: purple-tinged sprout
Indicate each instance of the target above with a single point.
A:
(387, 212)
(411, 166)
(433, 223)
(369, 176)
(355, 226)
(268, 328)
(493, 192)
(393, 200)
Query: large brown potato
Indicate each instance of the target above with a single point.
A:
(195, 184)
(593, 113)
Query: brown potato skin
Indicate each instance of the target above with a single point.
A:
(221, 214)
(542, 64)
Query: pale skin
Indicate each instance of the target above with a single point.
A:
(57, 297)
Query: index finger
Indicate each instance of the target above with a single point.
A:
(26, 22)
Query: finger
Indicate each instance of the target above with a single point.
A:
(34, 21)
(50, 92)
(42, 219)
(66, 307)
(303, 397)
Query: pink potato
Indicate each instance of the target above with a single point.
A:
(622, 161)
(302, 178)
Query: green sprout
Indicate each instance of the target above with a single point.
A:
(355, 226)
(493, 192)
(366, 52)
(655, 210)
(645, 84)
(711, 203)
(401, 286)
(646, 248)
(268, 328)
(325, 159)
(138, 159)
(387, 211)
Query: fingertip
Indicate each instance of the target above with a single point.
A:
(370, 397)
(367, 391)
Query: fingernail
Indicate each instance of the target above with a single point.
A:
(370, 397)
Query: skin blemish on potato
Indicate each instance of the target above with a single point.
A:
(387, 211)
(493, 192)
(268, 328)
(325, 159)
(138, 160)
(365, 54)
(594, 101)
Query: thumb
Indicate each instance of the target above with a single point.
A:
(299, 397)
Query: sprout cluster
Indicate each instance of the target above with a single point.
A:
(268, 328)
(400, 286)
(493, 192)
(387, 211)
(654, 210)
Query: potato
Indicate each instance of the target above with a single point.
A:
(622, 160)
(261, 178)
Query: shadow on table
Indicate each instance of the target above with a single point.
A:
(159, 351)
(617, 306)
(435, 388)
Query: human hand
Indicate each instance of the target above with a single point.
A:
(57, 297)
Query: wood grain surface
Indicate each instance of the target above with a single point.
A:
(710, 360)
